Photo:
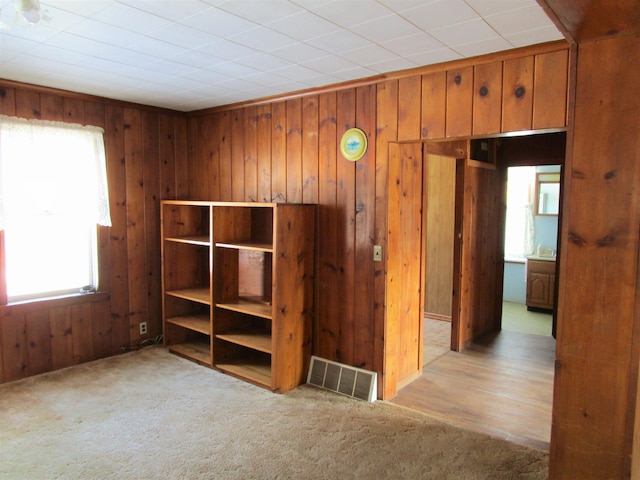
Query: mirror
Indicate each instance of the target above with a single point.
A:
(547, 193)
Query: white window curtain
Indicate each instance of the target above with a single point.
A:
(41, 175)
(519, 231)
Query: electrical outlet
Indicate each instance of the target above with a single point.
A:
(143, 328)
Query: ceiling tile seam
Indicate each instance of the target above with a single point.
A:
(484, 19)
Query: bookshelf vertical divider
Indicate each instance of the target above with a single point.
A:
(237, 287)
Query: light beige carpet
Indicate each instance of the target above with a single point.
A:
(152, 415)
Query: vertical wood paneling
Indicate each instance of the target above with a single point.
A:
(310, 149)
(386, 132)
(151, 183)
(550, 90)
(27, 104)
(82, 332)
(237, 155)
(411, 250)
(365, 201)
(224, 149)
(61, 337)
(434, 98)
(38, 333)
(51, 107)
(345, 204)
(119, 258)
(597, 342)
(205, 145)
(134, 161)
(459, 102)
(14, 346)
(279, 152)
(73, 110)
(393, 276)
(7, 101)
(94, 114)
(101, 329)
(167, 157)
(294, 150)
(487, 98)
(264, 152)
(404, 221)
(328, 323)
(250, 155)
(183, 173)
(517, 94)
(409, 103)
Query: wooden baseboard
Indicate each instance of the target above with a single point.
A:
(436, 316)
(408, 379)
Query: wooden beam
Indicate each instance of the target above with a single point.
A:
(589, 20)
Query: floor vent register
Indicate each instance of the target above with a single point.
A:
(350, 381)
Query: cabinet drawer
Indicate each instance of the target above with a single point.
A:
(541, 266)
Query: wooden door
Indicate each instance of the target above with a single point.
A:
(478, 254)
(440, 179)
(405, 275)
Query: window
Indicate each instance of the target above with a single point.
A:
(53, 192)
(519, 226)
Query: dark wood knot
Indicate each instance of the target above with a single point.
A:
(484, 91)
(577, 239)
(458, 79)
(606, 240)
(520, 91)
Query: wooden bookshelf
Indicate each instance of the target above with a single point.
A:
(219, 262)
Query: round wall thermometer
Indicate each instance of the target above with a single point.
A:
(353, 145)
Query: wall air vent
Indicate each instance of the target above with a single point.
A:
(351, 381)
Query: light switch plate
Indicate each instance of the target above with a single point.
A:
(377, 253)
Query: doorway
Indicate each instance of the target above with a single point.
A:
(489, 354)
(531, 240)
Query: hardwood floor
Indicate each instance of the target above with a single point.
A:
(501, 385)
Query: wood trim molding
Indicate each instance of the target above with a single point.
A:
(47, 303)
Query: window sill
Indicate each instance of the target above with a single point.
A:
(515, 260)
(51, 302)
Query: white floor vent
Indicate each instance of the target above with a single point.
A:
(351, 381)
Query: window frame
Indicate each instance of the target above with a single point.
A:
(98, 231)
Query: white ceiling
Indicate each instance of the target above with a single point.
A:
(192, 54)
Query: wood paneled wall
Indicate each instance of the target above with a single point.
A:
(288, 151)
(598, 338)
(405, 273)
(142, 145)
